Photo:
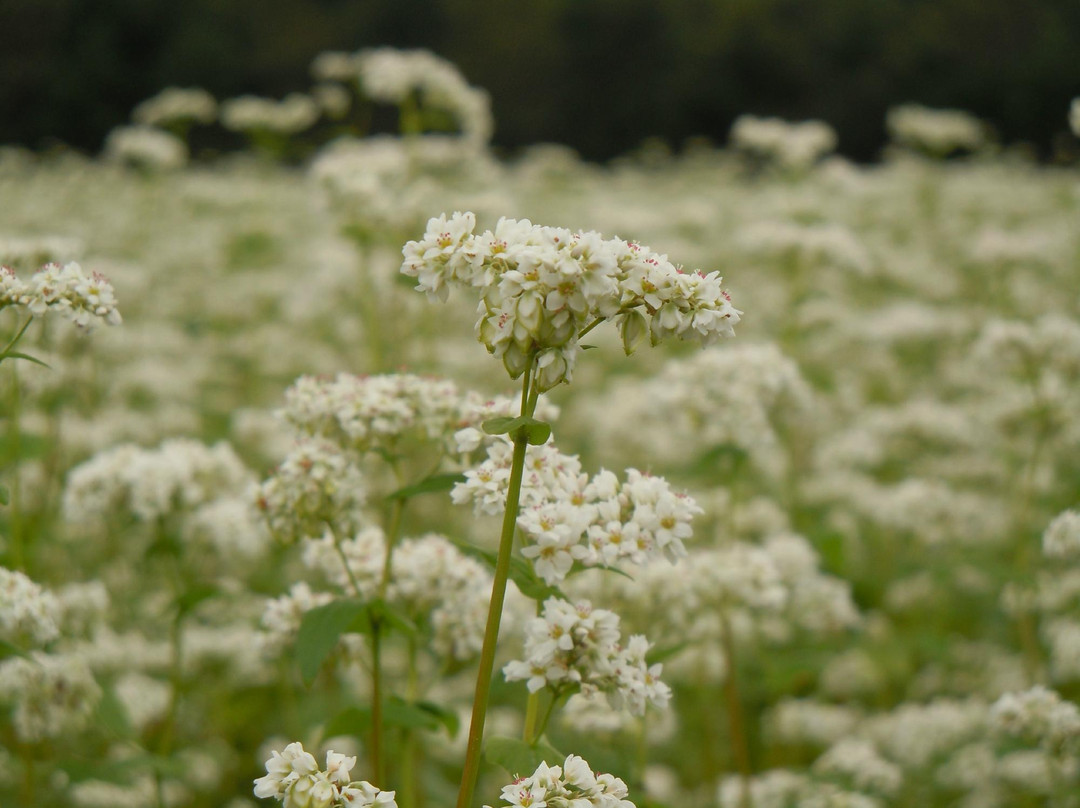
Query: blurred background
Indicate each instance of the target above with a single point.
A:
(598, 75)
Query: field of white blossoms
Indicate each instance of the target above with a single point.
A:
(256, 537)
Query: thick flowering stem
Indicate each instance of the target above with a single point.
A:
(498, 594)
(532, 713)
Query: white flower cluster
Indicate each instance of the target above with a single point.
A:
(53, 694)
(738, 396)
(859, 762)
(1040, 716)
(1062, 537)
(174, 105)
(791, 146)
(780, 788)
(315, 486)
(540, 286)
(392, 76)
(936, 132)
(34, 251)
(282, 616)
(365, 413)
(810, 722)
(575, 645)
(573, 785)
(821, 246)
(85, 299)
(149, 484)
(28, 613)
(145, 147)
(568, 516)
(294, 113)
(294, 777)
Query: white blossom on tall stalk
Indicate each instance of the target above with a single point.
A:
(540, 287)
(569, 517)
(51, 695)
(576, 646)
(294, 777)
(29, 614)
(68, 291)
(572, 785)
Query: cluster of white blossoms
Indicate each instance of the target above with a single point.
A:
(145, 147)
(541, 286)
(314, 487)
(572, 785)
(149, 484)
(568, 516)
(780, 788)
(175, 105)
(366, 413)
(791, 146)
(392, 76)
(52, 694)
(573, 645)
(295, 777)
(1061, 539)
(248, 113)
(858, 761)
(28, 612)
(935, 132)
(691, 406)
(1039, 716)
(68, 291)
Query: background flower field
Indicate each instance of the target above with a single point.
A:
(880, 601)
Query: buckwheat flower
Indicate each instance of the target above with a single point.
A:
(28, 613)
(935, 132)
(294, 777)
(68, 291)
(145, 147)
(315, 486)
(294, 113)
(53, 695)
(539, 287)
(578, 646)
(572, 785)
(860, 762)
(1061, 540)
(1038, 715)
(176, 105)
(793, 146)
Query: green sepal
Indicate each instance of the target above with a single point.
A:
(534, 431)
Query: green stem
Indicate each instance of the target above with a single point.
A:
(532, 712)
(18, 555)
(736, 725)
(471, 771)
(376, 705)
(16, 338)
(407, 774)
(547, 715)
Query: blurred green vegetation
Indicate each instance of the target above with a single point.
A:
(600, 75)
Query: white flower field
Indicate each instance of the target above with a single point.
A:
(385, 470)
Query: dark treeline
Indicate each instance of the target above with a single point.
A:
(600, 75)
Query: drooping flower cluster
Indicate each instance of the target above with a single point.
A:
(568, 516)
(573, 785)
(792, 146)
(175, 105)
(28, 613)
(294, 777)
(248, 113)
(145, 147)
(85, 299)
(935, 132)
(541, 286)
(574, 645)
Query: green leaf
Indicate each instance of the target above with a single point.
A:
(519, 758)
(535, 432)
(445, 716)
(193, 597)
(391, 615)
(498, 426)
(112, 715)
(8, 649)
(429, 485)
(521, 573)
(320, 630)
(663, 654)
(353, 721)
(27, 357)
(400, 713)
(5, 497)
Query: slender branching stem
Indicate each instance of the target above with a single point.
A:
(471, 772)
